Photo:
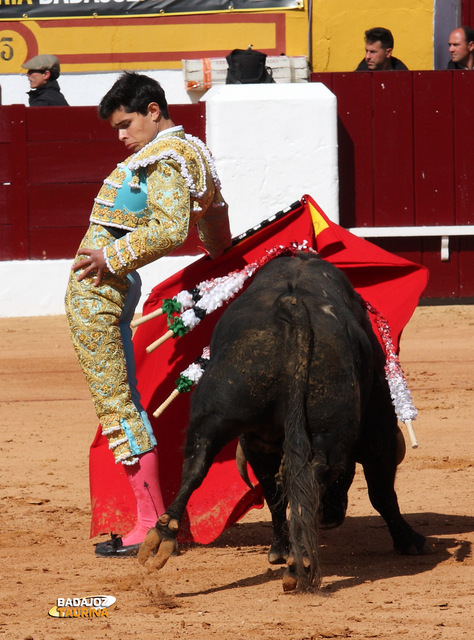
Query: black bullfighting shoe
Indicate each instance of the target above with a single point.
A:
(115, 549)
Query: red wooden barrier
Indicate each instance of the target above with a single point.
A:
(13, 194)
(392, 149)
(463, 107)
(52, 163)
(433, 148)
(356, 168)
(405, 159)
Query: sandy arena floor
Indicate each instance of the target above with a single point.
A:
(227, 590)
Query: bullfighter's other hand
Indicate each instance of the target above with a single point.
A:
(95, 262)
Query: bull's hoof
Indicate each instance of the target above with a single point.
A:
(278, 552)
(276, 558)
(164, 553)
(159, 542)
(421, 546)
(428, 548)
(302, 578)
(290, 581)
(417, 545)
(331, 523)
(149, 545)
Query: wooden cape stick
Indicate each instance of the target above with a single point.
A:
(411, 433)
(149, 316)
(174, 394)
(151, 347)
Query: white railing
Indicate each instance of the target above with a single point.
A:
(442, 231)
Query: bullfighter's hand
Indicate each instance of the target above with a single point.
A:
(94, 262)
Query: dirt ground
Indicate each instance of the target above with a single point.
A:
(227, 589)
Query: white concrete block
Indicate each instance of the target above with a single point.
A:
(272, 144)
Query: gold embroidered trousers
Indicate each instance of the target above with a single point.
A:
(99, 319)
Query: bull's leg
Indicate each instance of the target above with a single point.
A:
(380, 475)
(379, 453)
(333, 505)
(203, 442)
(266, 467)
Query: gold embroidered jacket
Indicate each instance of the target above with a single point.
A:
(155, 196)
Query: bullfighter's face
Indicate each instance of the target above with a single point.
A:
(136, 130)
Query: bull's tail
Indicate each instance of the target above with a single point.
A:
(300, 470)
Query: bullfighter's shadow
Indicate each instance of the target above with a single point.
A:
(358, 551)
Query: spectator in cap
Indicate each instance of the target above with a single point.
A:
(42, 72)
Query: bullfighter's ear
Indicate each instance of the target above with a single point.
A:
(154, 111)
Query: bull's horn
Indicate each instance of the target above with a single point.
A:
(151, 347)
(241, 461)
(149, 316)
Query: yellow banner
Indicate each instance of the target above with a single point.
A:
(110, 44)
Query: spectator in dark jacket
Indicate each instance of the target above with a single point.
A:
(461, 48)
(43, 72)
(378, 52)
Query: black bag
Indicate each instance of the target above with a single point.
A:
(247, 66)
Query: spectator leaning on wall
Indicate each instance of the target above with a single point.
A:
(461, 48)
(378, 52)
(43, 72)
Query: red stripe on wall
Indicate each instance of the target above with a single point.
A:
(277, 19)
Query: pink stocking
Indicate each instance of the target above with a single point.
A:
(145, 483)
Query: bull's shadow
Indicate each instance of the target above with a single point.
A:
(358, 551)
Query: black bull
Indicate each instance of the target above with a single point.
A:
(297, 374)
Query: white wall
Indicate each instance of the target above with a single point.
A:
(37, 287)
(272, 144)
(87, 89)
